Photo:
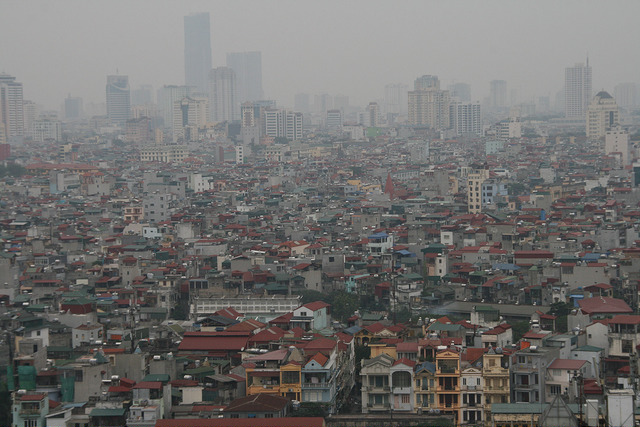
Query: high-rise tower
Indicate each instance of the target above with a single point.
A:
(577, 90)
(248, 69)
(118, 100)
(11, 107)
(222, 95)
(197, 51)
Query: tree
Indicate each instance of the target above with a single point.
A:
(281, 140)
(519, 329)
(343, 304)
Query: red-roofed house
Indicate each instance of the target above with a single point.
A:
(559, 372)
(600, 307)
(500, 336)
(624, 334)
(311, 316)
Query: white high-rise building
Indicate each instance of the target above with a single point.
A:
(498, 94)
(248, 73)
(197, 51)
(577, 90)
(466, 118)
(428, 105)
(189, 115)
(334, 120)
(118, 100)
(395, 98)
(626, 95)
(11, 107)
(280, 123)
(616, 140)
(30, 114)
(223, 105)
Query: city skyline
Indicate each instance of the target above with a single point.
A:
(383, 50)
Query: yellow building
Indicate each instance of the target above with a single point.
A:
(496, 381)
(448, 382)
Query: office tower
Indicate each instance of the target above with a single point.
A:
(460, 92)
(248, 69)
(334, 120)
(428, 105)
(626, 95)
(197, 51)
(577, 90)
(46, 129)
(189, 115)
(11, 107)
(602, 115)
(118, 100)
(372, 115)
(143, 95)
(322, 103)
(395, 98)
(497, 94)
(222, 95)
(341, 102)
(72, 108)
(466, 118)
(249, 124)
(167, 97)
(279, 123)
(301, 102)
(426, 82)
(616, 141)
(30, 114)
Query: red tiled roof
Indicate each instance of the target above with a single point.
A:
(604, 305)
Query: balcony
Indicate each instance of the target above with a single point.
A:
(316, 385)
(29, 413)
(375, 388)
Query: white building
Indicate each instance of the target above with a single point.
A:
(334, 120)
(11, 108)
(616, 140)
(118, 100)
(577, 90)
(46, 129)
(189, 115)
(282, 123)
(167, 97)
(222, 95)
(466, 118)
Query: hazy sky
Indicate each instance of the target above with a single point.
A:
(354, 47)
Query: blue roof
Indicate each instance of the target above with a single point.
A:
(591, 257)
(429, 366)
(506, 266)
(404, 252)
(352, 330)
(378, 235)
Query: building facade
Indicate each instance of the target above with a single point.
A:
(577, 90)
(118, 100)
(197, 50)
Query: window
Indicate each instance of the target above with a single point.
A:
(627, 346)
(268, 415)
(556, 389)
(31, 423)
(405, 398)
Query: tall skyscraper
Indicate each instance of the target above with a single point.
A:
(11, 107)
(197, 51)
(460, 92)
(72, 108)
(189, 115)
(282, 123)
(498, 94)
(301, 102)
(395, 98)
(118, 100)
(466, 118)
(428, 105)
(167, 96)
(248, 69)
(626, 95)
(223, 95)
(577, 90)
